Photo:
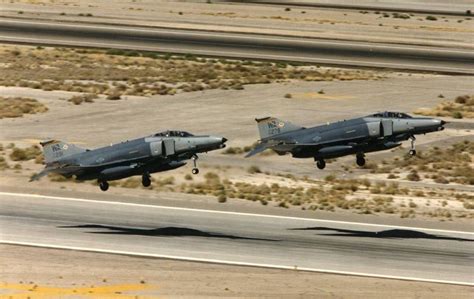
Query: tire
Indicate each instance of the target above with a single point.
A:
(195, 171)
(412, 152)
(146, 181)
(321, 164)
(360, 161)
(104, 186)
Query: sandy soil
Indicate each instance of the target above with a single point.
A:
(36, 272)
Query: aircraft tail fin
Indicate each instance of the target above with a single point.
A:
(269, 126)
(54, 150)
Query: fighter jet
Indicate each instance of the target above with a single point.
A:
(376, 132)
(143, 156)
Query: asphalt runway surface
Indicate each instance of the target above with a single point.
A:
(238, 238)
(252, 46)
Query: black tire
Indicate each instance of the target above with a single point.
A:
(360, 161)
(412, 152)
(195, 171)
(146, 181)
(321, 164)
(104, 186)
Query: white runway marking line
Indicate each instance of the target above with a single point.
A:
(282, 267)
(238, 54)
(228, 212)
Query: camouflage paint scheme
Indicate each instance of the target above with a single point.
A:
(376, 132)
(143, 156)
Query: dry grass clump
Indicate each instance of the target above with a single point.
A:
(460, 107)
(16, 107)
(118, 72)
(452, 164)
(3, 164)
(84, 98)
(254, 169)
(25, 154)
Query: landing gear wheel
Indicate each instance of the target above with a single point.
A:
(360, 160)
(321, 164)
(195, 169)
(412, 151)
(146, 181)
(104, 186)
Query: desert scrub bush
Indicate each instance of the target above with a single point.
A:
(413, 176)
(254, 169)
(19, 154)
(461, 107)
(16, 107)
(188, 177)
(84, 98)
(3, 163)
(139, 71)
(56, 177)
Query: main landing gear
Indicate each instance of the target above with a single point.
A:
(360, 159)
(104, 186)
(321, 164)
(195, 169)
(412, 151)
(146, 180)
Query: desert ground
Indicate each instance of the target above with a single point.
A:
(94, 98)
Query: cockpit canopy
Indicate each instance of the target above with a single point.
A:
(173, 134)
(389, 114)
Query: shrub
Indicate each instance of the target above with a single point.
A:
(222, 198)
(288, 96)
(16, 107)
(254, 169)
(413, 176)
(19, 154)
(457, 114)
(431, 18)
(188, 177)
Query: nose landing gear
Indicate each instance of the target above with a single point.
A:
(195, 169)
(412, 151)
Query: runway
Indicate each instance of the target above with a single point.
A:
(238, 238)
(234, 45)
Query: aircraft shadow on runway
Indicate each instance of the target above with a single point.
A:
(160, 232)
(386, 234)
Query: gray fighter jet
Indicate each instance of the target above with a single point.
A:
(376, 132)
(143, 156)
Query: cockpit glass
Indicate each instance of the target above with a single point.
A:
(389, 114)
(174, 134)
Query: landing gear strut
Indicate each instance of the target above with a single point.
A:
(195, 169)
(146, 180)
(360, 159)
(104, 186)
(412, 151)
(321, 163)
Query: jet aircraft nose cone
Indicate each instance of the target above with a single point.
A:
(224, 140)
(443, 122)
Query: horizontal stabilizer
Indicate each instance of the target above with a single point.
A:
(38, 176)
(258, 149)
